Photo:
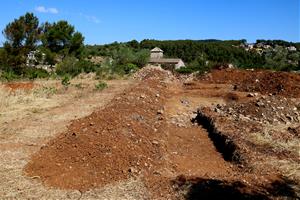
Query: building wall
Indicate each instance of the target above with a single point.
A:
(179, 64)
(157, 55)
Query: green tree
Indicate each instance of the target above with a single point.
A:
(134, 44)
(21, 37)
(61, 38)
(142, 57)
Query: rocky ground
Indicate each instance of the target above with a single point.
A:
(170, 138)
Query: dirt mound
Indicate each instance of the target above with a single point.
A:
(152, 71)
(263, 133)
(268, 110)
(265, 82)
(19, 85)
(110, 145)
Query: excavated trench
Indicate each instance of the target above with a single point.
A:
(223, 143)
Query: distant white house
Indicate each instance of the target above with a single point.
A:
(33, 60)
(292, 48)
(157, 58)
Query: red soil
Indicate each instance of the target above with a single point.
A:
(133, 137)
(265, 82)
(19, 85)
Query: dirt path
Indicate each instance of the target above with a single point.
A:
(191, 152)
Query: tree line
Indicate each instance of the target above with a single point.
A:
(59, 44)
(201, 55)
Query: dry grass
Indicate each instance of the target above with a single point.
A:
(288, 167)
(265, 139)
(29, 118)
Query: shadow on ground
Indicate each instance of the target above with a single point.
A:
(198, 188)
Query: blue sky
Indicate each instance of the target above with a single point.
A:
(106, 21)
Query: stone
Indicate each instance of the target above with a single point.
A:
(290, 118)
(137, 117)
(184, 101)
(259, 104)
(157, 173)
(155, 142)
(217, 110)
(160, 112)
(132, 170)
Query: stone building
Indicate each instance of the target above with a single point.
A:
(157, 58)
(157, 53)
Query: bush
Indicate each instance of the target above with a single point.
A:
(142, 58)
(73, 67)
(33, 73)
(185, 70)
(66, 81)
(68, 66)
(9, 75)
(130, 68)
(86, 66)
(101, 85)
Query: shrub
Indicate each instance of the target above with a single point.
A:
(66, 81)
(68, 66)
(130, 68)
(9, 75)
(86, 66)
(33, 73)
(142, 58)
(185, 70)
(73, 67)
(101, 85)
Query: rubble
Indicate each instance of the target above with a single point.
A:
(271, 110)
(262, 81)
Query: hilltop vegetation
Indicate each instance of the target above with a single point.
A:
(200, 55)
(61, 48)
(31, 47)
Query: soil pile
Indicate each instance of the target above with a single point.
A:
(110, 145)
(267, 110)
(265, 82)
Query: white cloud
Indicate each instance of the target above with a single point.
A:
(91, 18)
(43, 9)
